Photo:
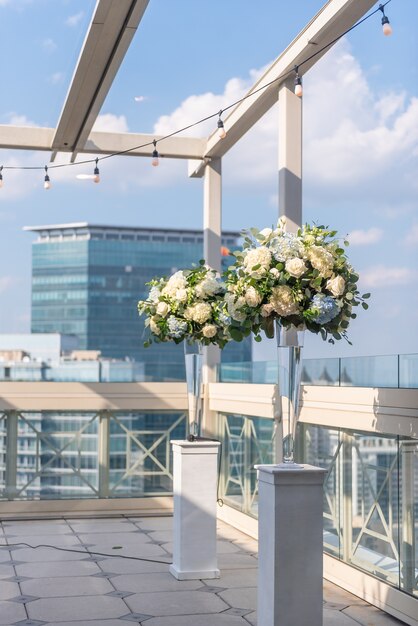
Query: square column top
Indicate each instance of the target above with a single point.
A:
(284, 474)
(195, 447)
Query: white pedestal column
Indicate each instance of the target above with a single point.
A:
(290, 546)
(195, 478)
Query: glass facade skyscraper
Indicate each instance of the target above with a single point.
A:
(87, 280)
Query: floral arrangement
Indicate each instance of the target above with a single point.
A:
(187, 305)
(302, 279)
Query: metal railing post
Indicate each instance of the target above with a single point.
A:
(346, 495)
(407, 525)
(103, 453)
(12, 418)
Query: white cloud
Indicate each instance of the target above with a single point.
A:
(6, 282)
(15, 119)
(365, 237)
(381, 276)
(73, 20)
(110, 123)
(411, 238)
(49, 45)
(140, 98)
(56, 77)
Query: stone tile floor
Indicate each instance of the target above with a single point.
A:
(46, 586)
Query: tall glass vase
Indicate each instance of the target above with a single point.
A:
(289, 354)
(193, 357)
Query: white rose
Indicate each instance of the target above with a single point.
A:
(336, 286)
(209, 330)
(252, 297)
(295, 267)
(266, 232)
(175, 282)
(181, 295)
(321, 260)
(275, 272)
(154, 327)
(257, 257)
(162, 309)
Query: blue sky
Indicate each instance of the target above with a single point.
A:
(189, 59)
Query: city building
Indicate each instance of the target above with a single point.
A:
(87, 280)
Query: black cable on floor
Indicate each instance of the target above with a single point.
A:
(119, 556)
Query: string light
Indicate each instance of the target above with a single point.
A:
(96, 173)
(1, 176)
(155, 156)
(221, 129)
(47, 183)
(387, 28)
(298, 83)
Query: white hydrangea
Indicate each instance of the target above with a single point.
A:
(266, 310)
(233, 307)
(181, 295)
(154, 294)
(208, 287)
(154, 327)
(162, 309)
(252, 297)
(209, 331)
(321, 260)
(266, 232)
(336, 286)
(199, 313)
(175, 282)
(295, 267)
(283, 302)
(258, 256)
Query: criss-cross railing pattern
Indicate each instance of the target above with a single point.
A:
(71, 454)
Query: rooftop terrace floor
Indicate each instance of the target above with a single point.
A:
(52, 587)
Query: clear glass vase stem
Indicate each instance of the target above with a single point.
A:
(193, 358)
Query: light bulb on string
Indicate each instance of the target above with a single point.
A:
(96, 173)
(221, 129)
(298, 83)
(47, 181)
(155, 156)
(387, 28)
(1, 176)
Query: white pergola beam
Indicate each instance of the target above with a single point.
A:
(112, 28)
(334, 18)
(36, 138)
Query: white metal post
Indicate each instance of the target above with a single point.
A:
(11, 453)
(290, 157)
(212, 238)
(103, 453)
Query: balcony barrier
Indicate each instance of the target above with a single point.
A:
(398, 371)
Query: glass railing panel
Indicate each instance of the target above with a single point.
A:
(320, 372)
(408, 518)
(322, 447)
(369, 371)
(246, 441)
(374, 504)
(76, 454)
(408, 371)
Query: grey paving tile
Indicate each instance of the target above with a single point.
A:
(245, 598)
(101, 527)
(17, 579)
(10, 612)
(6, 570)
(67, 586)
(164, 581)
(252, 618)
(367, 615)
(337, 595)
(5, 556)
(110, 538)
(161, 535)
(136, 617)
(236, 561)
(54, 540)
(93, 622)
(238, 578)
(176, 603)
(240, 612)
(126, 566)
(199, 620)
(145, 550)
(39, 528)
(76, 608)
(336, 618)
(24, 599)
(30, 622)
(52, 569)
(208, 589)
(226, 547)
(119, 594)
(44, 555)
(155, 523)
(8, 590)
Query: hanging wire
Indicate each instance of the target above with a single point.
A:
(212, 115)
